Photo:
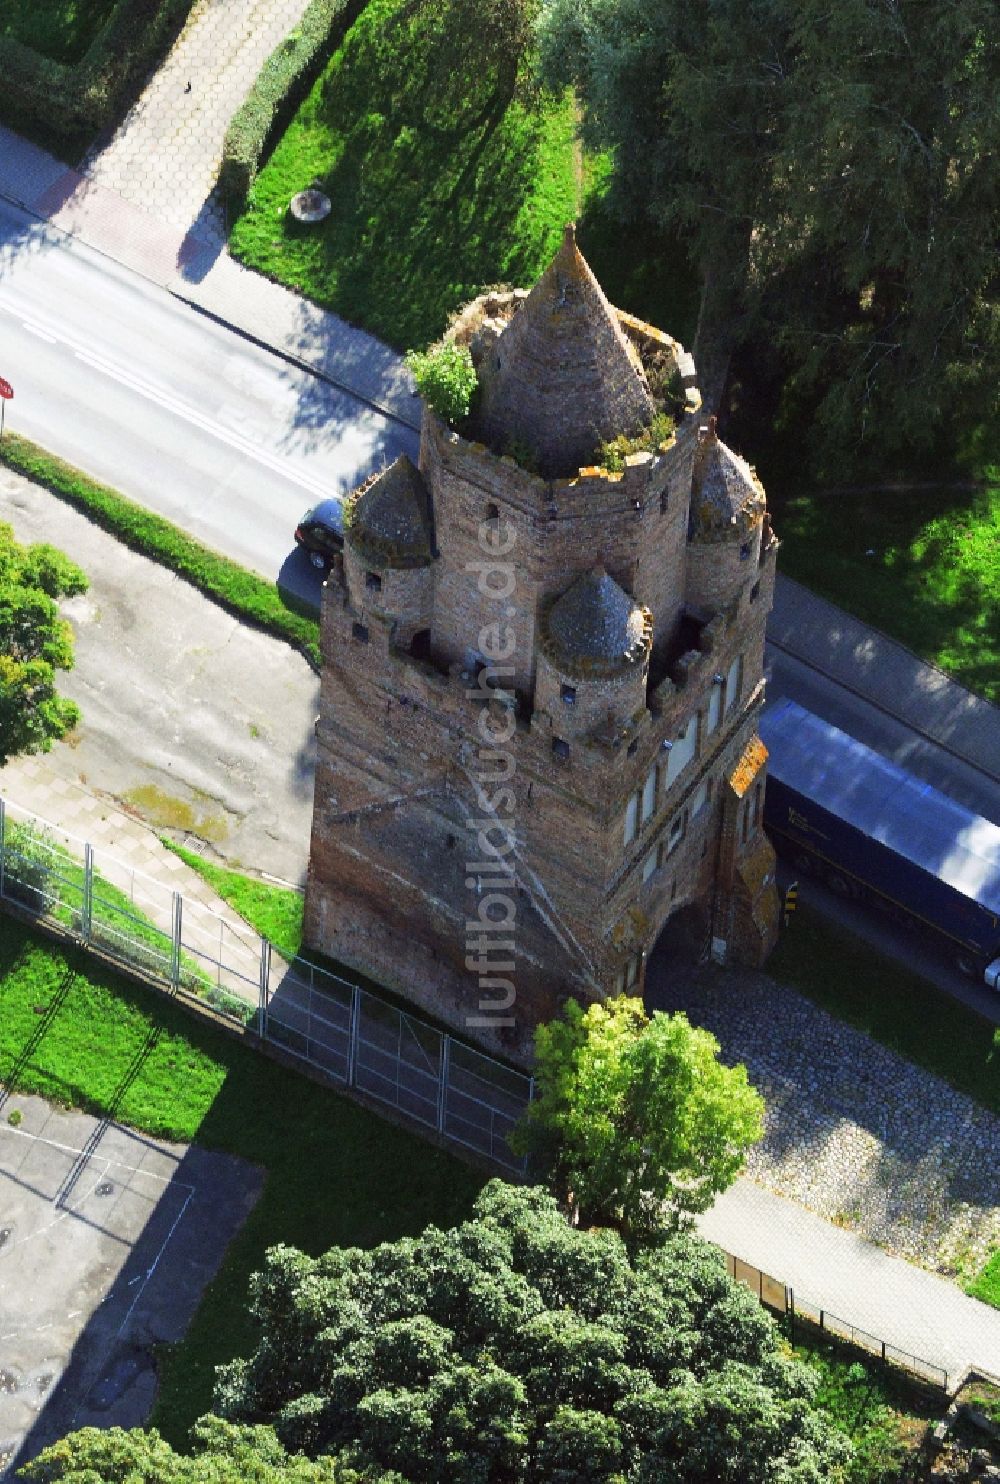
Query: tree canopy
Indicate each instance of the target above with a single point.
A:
(222, 1454)
(34, 643)
(636, 1119)
(517, 1347)
(833, 169)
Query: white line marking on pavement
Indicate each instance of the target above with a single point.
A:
(170, 403)
(42, 334)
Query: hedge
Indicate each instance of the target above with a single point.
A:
(241, 592)
(282, 82)
(72, 104)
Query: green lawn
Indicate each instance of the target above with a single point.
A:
(273, 911)
(436, 192)
(60, 29)
(337, 1175)
(986, 1285)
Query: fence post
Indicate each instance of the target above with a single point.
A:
(87, 905)
(265, 983)
(175, 945)
(791, 1316)
(352, 1045)
(3, 846)
(443, 1082)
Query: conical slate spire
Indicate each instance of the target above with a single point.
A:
(722, 486)
(596, 625)
(562, 377)
(389, 520)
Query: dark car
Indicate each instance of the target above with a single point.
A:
(320, 532)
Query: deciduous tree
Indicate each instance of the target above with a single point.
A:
(637, 1120)
(834, 170)
(34, 643)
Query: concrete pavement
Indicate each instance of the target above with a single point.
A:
(835, 1269)
(190, 263)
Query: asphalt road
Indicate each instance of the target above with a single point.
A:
(183, 415)
(794, 678)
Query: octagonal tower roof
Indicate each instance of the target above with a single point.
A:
(563, 376)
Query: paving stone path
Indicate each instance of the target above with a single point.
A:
(165, 157)
(854, 1131)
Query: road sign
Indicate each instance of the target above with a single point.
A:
(6, 390)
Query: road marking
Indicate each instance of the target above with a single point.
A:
(320, 488)
(35, 330)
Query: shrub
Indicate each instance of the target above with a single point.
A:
(281, 83)
(74, 103)
(29, 877)
(614, 453)
(446, 379)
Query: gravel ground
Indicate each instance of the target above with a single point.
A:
(853, 1130)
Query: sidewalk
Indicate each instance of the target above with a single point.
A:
(132, 857)
(879, 669)
(193, 266)
(835, 1269)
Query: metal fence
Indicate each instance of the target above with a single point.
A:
(348, 1034)
(784, 1300)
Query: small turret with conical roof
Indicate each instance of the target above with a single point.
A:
(389, 548)
(726, 496)
(562, 377)
(595, 628)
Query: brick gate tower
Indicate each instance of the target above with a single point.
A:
(542, 670)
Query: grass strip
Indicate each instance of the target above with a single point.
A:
(923, 565)
(80, 1034)
(273, 911)
(853, 981)
(248, 596)
(986, 1284)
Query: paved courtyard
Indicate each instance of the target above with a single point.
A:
(165, 156)
(107, 1241)
(855, 1132)
(195, 722)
